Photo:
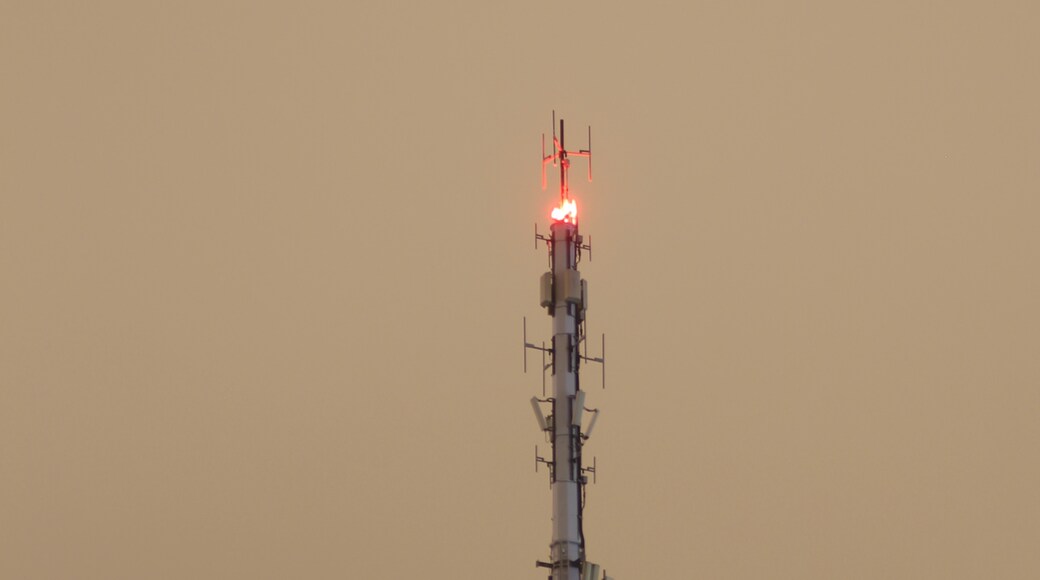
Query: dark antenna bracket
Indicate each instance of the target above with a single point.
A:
(545, 351)
(591, 470)
(539, 459)
(601, 359)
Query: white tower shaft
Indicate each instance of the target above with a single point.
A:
(567, 541)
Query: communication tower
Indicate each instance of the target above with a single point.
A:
(564, 295)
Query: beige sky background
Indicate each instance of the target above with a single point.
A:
(263, 268)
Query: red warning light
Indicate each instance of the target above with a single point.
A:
(566, 213)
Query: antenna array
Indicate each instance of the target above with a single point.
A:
(564, 295)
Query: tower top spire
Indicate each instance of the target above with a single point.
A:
(559, 156)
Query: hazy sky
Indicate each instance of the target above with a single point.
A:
(263, 268)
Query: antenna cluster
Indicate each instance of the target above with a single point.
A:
(559, 157)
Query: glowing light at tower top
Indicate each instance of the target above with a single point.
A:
(567, 212)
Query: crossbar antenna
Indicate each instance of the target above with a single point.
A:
(559, 156)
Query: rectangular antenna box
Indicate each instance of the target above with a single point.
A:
(546, 290)
(569, 287)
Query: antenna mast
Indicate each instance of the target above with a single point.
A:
(564, 295)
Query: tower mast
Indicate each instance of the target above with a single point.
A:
(564, 295)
